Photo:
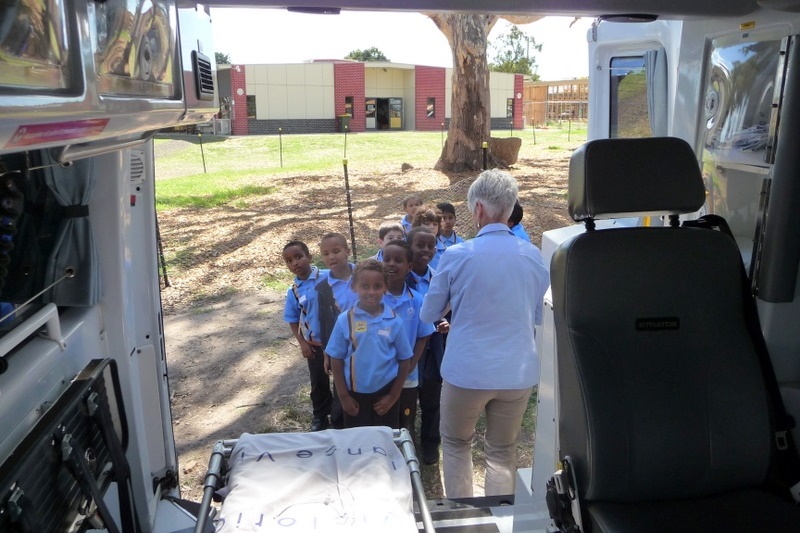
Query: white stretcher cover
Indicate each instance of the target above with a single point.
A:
(334, 480)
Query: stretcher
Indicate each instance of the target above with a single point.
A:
(355, 480)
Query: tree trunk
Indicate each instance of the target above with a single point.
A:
(470, 111)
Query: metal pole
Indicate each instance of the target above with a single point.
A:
(569, 130)
(533, 129)
(280, 144)
(485, 148)
(346, 128)
(442, 134)
(349, 204)
(202, 153)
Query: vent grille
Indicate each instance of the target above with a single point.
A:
(204, 80)
(137, 167)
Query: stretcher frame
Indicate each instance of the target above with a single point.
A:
(217, 472)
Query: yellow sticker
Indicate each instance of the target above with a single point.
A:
(361, 326)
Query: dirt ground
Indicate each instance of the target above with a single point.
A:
(234, 365)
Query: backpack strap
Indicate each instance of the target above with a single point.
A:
(328, 312)
(351, 326)
(785, 469)
(351, 320)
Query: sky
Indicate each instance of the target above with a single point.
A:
(276, 36)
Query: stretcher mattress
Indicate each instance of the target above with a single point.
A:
(353, 480)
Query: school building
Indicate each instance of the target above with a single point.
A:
(324, 96)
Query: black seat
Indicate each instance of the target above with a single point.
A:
(663, 407)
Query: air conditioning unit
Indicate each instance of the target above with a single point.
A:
(198, 64)
(222, 126)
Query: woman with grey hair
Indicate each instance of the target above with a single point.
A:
(494, 284)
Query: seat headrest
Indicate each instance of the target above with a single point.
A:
(611, 178)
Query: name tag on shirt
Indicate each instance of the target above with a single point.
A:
(385, 332)
(361, 326)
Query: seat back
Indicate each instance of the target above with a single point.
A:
(660, 389)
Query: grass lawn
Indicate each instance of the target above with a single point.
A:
(234, 164)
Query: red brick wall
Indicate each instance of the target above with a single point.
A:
(429, 82)
(519, 108)
(348, 80)
(239, 122)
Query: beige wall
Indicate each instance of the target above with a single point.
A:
(409, 118)
(501, 87)
(384, 82)
(291, 91)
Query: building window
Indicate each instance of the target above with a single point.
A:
(348, 105)
(509, 108)
(431, 108)
(251, 106)
(628, 113)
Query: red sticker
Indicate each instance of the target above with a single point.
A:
(57, 131)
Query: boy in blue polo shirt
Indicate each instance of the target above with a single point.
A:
(410, 206)
(447, 234)
(301, 312)
(515, 222)
(369, 353)
(388, 231)
(335, 297)
(423, 246)
(406, 303)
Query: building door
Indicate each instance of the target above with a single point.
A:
(396, 113)
(384, 113)
(370, 112)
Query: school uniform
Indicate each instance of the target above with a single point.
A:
(343, 294)
(370, 347)
(447, 242)
(406, 223)
(430, 379)
(406, 305)
(420, 283)
(302, 308)
(440, 248)
(520, 232)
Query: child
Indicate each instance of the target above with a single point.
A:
(406, 303)
(302, 314)
(335, 297)
(388, 231)
(423, 246)
(430, 217)
(369, 353)
(410, 204)
(515, 222)
(447, 235)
